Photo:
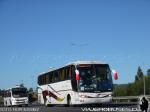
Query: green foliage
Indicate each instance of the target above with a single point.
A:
(148, 85)
(135, 88)
(119, 90)
(139, 75)
(129, 90)
(32, 95)
(148, 72)
(21, 85)
(1, 96)
(1, 100)
(30, 90)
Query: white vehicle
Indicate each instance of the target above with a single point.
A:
(80, 82)
(16, 96)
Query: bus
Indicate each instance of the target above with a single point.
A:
(76, 83)
(16, 96)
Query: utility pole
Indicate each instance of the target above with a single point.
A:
(144, 85)
(144, 82)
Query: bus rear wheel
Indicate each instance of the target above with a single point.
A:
(69, 103)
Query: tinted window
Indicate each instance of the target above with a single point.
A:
(19, 92)
(67, 73)
(50, 77)
(62, 74)
(47, 78)
(54, 76)
(95, 78)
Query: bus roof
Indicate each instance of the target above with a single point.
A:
(74, 63)
(85, 62)
(17, 86)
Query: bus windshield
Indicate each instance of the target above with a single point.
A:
(19, 92)
(95, 78)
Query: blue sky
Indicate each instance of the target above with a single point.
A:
(38, 34)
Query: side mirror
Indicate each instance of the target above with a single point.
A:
(77, 75)
(115, 74)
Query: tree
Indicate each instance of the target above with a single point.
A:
(30, 90)
(136, 88)
(21, 85)
(139, 74)
(1, 96)
(32, 95)
(148, 72)
(148, 85)
(119, 90)
(2, 92)
(136, 78)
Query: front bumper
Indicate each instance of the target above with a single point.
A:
(93, 100)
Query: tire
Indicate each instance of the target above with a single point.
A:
(45, 101)
(69, 104)
(5, 104)
(10, 103)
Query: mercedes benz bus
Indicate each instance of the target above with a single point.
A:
(16, 96)
(80, 82)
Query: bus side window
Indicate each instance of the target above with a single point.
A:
(50, 77)
(67, 73)
(53, 78)
(47, 78)
(62, 74)
(57, 76)
(42, 79)
(39, 80)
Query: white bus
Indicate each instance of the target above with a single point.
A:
(16, 96)
(80, 82)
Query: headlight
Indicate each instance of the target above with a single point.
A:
(13, 100)
(26, 100)
(83, 96)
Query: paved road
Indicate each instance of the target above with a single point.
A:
(101, 108)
